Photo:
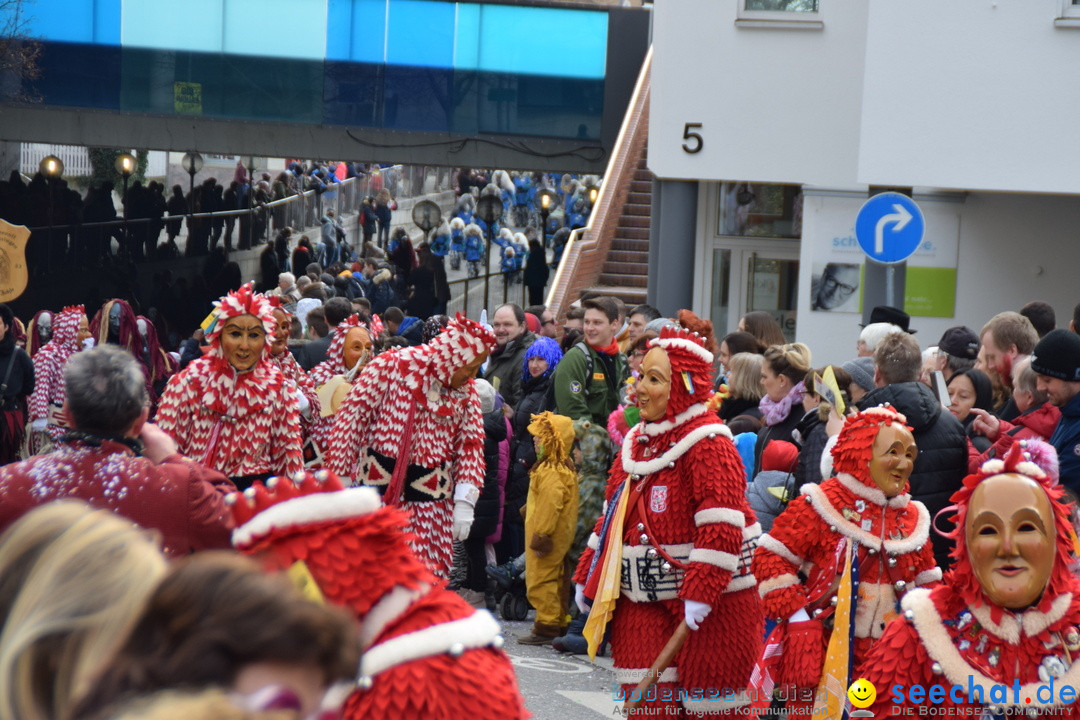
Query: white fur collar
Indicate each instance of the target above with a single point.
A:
(389, 608)
(939, 646)
(667, 425)
(647, 467)
(1032, 620)
(825, 510)
(455, 637)
(873, 494)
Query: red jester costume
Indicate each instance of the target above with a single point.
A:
(411, 426)
(232, 409)
(675, 543)
(70, 329)
(427, 653)
(840, 556)
(299, 381)
(349, 333)
(1005, 623)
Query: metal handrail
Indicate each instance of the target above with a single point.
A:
(556, 297)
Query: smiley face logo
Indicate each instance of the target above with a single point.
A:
(862, 693)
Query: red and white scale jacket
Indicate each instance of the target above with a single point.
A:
(334, 364)
(1016, 665)
(49, 393)
(398, 407)
(892, 543)
(299, 381)
(239, 424)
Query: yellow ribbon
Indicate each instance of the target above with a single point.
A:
(832, 689)
(607, 592)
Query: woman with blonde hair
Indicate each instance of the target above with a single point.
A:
(782, 374)
(744, 386)
(73, 581)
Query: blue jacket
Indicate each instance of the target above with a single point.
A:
(457, 240)
(474, 248)
(1066, 440)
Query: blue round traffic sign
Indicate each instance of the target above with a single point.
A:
(889, 227)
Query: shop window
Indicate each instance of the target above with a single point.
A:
(760, 210)
(792, 14)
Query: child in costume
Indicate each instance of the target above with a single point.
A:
(411, 426)
(677, 522)
(1007, 613)
(858, 528)
(232, 409)
(550, 519)
(427, 653)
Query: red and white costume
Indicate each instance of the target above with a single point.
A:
(49, 393)
(955, 635)
(427, 653)
(334, 364)
(241, 424)
(799, 562)
(402, 407)
(688, 534)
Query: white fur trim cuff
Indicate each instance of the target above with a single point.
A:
(319, 507)
(742, 582)
(476, 631)
(778, 548)
(710, 516)
(777, 583)
(928, 576)
(593, 542)
(718, 558)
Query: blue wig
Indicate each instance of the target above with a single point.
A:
(542, 347)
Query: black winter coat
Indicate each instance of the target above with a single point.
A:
(814, 437)
(486, 512)
(536, 397)
(942, 462)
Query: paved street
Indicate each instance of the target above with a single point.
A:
(558, 686)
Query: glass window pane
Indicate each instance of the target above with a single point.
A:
(759, 210)
(720, 305)
(771, 286)
(783, 5)
(421, 34)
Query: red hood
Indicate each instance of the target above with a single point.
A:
(1042, 421)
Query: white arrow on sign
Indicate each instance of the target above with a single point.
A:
(901, 217)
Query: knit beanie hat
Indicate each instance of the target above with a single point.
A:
(961, 342)
(1058, 356)
(861, 370)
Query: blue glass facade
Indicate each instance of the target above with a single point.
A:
(396, 64)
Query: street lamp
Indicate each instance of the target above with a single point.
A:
(125, 165)
(547, 200)
(192, 163)
(51, 167)
(427, 215)
(592, 192)
(490, 210)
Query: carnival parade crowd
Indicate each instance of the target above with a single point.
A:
(310, 509)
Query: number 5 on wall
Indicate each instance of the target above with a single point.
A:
(695, 141)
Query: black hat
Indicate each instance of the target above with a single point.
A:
(1058, 355)
(961, 342)
(887, 314)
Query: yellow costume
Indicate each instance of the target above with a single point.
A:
(550, 520)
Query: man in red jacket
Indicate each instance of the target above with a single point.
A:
(114, 459)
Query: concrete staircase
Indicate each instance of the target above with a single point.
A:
(625, 273)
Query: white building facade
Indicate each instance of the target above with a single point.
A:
(777, 125)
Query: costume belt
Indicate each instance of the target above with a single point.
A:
(421, 484)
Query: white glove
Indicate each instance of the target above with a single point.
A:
(579, 598)
(465, 497)
(88, 343)
(695, 612)
(39, 424)
(305, 404)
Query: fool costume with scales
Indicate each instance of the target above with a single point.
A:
(405, 429)
(839, 557)
(675, 543)
(427, 653)
(242, 423)
(1007, 615)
